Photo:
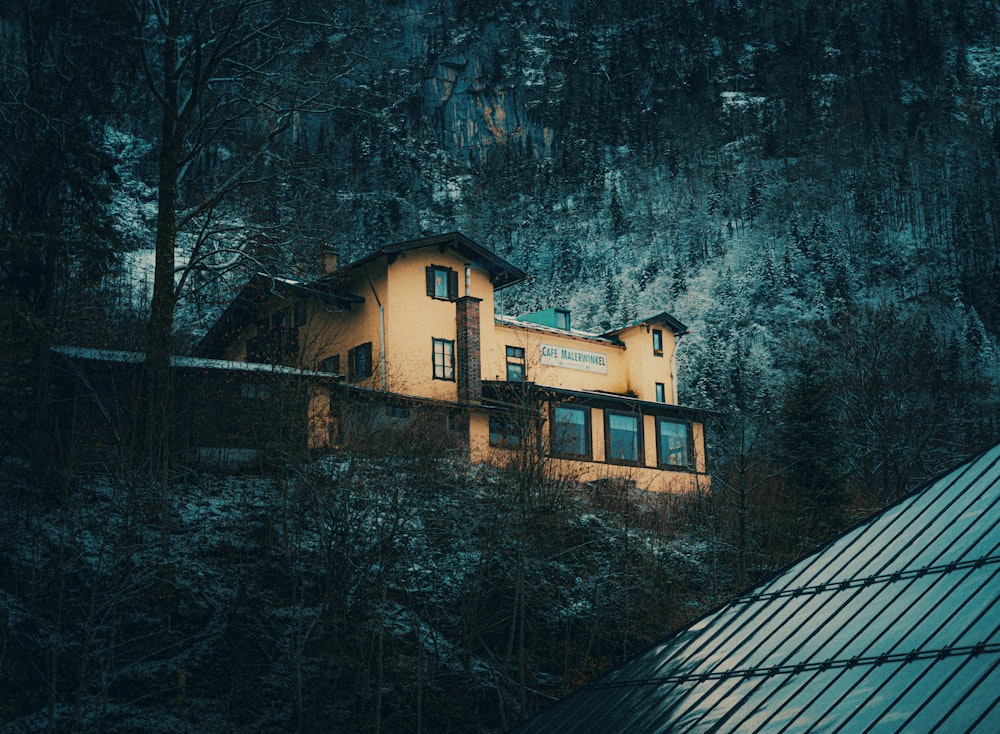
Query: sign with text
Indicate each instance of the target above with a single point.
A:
(574, 359)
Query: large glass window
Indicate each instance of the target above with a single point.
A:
(444, 359)
(515, 364)
(623, 434)
(571, 431)
(673, 443)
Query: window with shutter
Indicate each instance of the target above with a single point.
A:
(442, 283)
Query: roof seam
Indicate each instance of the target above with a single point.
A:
(805, 667)
(869, 580)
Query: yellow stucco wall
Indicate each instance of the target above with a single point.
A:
(648, 476)
(645, 477)
(646, 368)
(531, 340)
(413, 319)
(632, 369)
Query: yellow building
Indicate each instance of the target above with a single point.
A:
(416, 323)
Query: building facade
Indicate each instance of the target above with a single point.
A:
(416, 324)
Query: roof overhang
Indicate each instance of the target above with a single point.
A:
(517, 393)
(663, 318)
(252, 296)
(502, 273)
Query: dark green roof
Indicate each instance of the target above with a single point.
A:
(501, 272)
(661, 318)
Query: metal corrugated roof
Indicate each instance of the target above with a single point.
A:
(894, 626)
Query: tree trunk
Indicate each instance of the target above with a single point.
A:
(159, 395)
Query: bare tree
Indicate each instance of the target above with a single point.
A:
(231, 86)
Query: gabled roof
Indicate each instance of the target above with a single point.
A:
(501, 272)
(661, 318)
(895, 626)
(245, 306)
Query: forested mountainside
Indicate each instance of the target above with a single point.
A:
(765, 171)
(810, 186)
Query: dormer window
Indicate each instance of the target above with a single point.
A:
(442, 283)
(562, 319)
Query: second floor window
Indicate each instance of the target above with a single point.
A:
(661, 393)
(359, 362)
(657, 342)
(515, 364)
(444, 359)
(442, 283)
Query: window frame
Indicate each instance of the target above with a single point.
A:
(394, 410)
(353, 363)
(515, 360)
(507, 430)
(450, 281)
(661, 392)
(563, 320)
(690, 462)
(640, 447)
(657, 342)
(555, 448)
(445, 364)
(331, 364)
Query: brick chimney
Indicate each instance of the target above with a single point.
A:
(469, 356)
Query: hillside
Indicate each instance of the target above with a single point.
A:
(350, 594)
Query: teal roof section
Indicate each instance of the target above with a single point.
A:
(554, 318)
(894, 626)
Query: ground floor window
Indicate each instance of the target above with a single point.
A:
(571, 431)
(503, 432)
(397, 411)
(359, 362)
(623, 435)
(673, 443)
(444, 359)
